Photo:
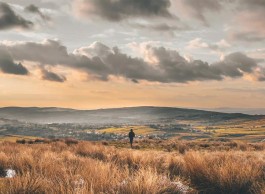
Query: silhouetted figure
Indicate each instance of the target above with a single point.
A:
(131, 136)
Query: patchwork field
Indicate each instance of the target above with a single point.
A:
(253, 131)
(140, 130)
(14, 138)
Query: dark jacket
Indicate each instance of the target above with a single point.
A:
(131, 135)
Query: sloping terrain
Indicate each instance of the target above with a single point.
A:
(133, 115)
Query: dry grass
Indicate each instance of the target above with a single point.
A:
(182, 146)
(225, 172)
(85, 167)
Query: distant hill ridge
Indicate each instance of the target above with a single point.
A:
(133, 115)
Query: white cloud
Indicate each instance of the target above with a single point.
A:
(102, 62)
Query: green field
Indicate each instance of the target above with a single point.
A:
(239, 130)
(139, 130)
(14, 138)
(242, 130)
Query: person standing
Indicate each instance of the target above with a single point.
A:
(131, 136)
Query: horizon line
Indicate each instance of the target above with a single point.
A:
(181, 107)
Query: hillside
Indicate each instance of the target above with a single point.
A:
(133, 115)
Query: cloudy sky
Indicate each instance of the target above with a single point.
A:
(90, 54)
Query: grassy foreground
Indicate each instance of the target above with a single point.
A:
(87, 167)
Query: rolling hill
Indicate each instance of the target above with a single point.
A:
(131, 115)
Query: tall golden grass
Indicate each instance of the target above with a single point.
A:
(91, 168)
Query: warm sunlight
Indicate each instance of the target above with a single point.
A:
(132, 97)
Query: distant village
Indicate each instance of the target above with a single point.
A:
(90, 132)
(103, 132)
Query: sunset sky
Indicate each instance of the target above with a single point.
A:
(90, 54)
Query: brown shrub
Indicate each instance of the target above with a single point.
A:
(105, 143)
(70, 141)
(30, 142)
(21, 141)
(258, 146)
(45, 141)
